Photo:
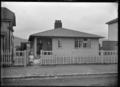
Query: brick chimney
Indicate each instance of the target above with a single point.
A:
(58, 24)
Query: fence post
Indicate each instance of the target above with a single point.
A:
(41, 58)
(14, 55)
(102, 56)
(25, 57)
(1, 57)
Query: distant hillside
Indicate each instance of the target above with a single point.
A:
(17, 41)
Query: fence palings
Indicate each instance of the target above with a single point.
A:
(20, 58)
(6, 57)
(55, 57)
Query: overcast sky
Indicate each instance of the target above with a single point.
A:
(33, 17)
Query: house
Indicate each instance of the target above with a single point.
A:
(61, 39)
(112, 42)
(109, 45)
(113, 30)
(8, 21)
(25, 46)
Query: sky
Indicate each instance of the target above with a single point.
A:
(34, 17)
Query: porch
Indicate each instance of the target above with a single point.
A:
(47, 45)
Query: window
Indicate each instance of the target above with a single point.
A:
(76, 43)
(85, 43)
(59, 43)
(88, 43)
(82, 43)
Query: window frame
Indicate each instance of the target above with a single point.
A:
(59, 43)
(80, 42)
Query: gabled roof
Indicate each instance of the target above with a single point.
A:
(8, 15)
(63, 32)
(112, 21)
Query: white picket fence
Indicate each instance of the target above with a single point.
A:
(20, 58)
(6, 58)
(68, 57)
(60, 57)
(17, 58)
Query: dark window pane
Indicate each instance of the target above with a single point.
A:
(85, 39)
(76, 43)
(84, 45)
(59, 43)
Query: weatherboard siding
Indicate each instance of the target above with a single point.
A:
(68, 44)
(113, 31)
(9, 34)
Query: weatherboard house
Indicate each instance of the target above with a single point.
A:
(112, 42)
(8, 21)
(62, 39)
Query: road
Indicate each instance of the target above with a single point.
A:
(90, 80)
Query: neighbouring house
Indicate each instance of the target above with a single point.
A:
(62, 39)
(25, 46)
(112, 42)
(113, 30)
(109, 45)
(8, 21)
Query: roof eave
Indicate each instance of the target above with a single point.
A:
(31, 36)
(112, 21)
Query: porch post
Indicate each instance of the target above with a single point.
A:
(102, 56)
(35, 46)
(25, 57)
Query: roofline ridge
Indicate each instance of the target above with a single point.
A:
(42, 31)
(83, 32)
(112, 21)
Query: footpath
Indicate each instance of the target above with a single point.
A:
(57, 70)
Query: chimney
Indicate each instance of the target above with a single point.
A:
(58, 24)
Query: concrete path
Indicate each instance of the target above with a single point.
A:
(38, 70)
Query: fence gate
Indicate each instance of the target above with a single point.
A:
(20, 58)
